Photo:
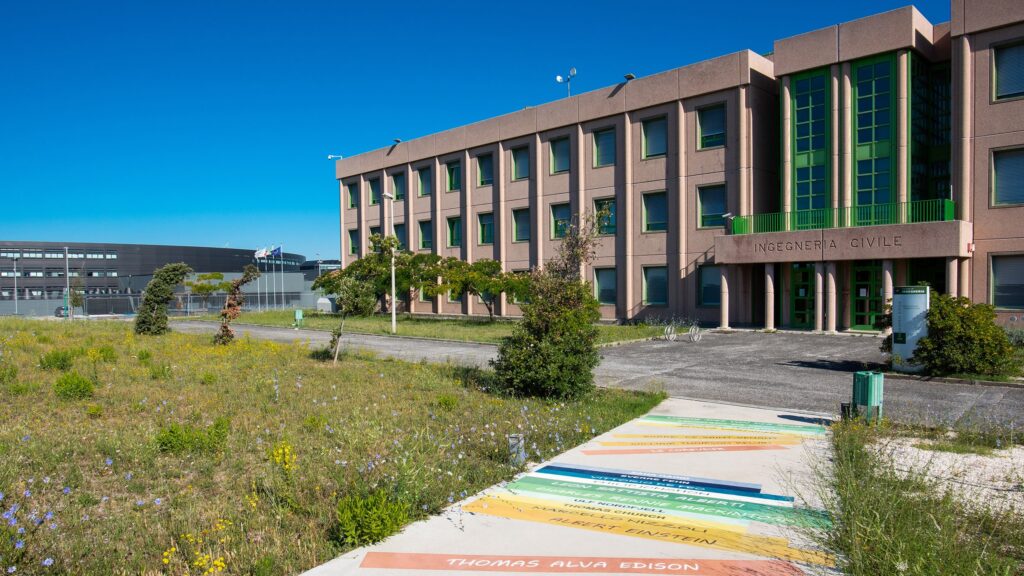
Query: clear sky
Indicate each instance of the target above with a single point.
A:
(209, 123)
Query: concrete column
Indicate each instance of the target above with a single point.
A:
(902, 132)
(846, 192)
(830, 288)
(412, 226)
(769, 296)
(964, 288)
(787, 151)
(952, 282)
(744, 155)
(504, 239)
(537, 203)
(679, 168)
(364, 230)
(577, 187)
(819, 295)
(343, 233)
(724, 307)
(887, 285)
(965, 120)
(901, 272)
(787, 287)
(624, 169)
(844, 281)
(469, 239)
(837, 105)
(441, 226)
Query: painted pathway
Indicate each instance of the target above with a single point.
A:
(691, 488)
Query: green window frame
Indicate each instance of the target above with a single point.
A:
(606, 225)
(399, 229)
(711, 126)
(874, 127)
(1007, 281)
(655, 137)
(655, 212)
(398, 185)
(353, 241)
(561, 219)
(486, 228)
(353, 195)
(374, 191)
(453, 171)
(1008, 177)
(606, 286)
(521, 225)
(1008, 71)
(604, 148)
(375, 230)
(655, 286)
(426, 235)
(485, 169)
(561, 155)
(810, 146)
(455, 232)
(711, 203)
(521, 163)
(709, 286)
(426, 180)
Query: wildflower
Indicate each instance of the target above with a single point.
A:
(128, 476)
(46, 480)
(140, 502)
(158, 501)
(53, 526)
(67, 490)
(12, 569)
(1, 496)
(28, 494)
(109, 462)
(48, 562)
(19, 544)
(23, 439)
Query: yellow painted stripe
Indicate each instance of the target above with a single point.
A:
(765, 436)
(702, 443)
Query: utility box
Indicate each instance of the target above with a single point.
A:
(909, 324)
(298, 317)
(324, 305)
(868, 388)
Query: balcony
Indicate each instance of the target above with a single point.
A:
(872, 215)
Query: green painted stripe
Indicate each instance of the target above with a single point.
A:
(741, 424)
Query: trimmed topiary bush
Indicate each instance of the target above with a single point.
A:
(73, 386)
(963, 338)
(152, 316)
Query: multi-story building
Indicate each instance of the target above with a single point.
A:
(788, 190)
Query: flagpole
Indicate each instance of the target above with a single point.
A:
(259, 307)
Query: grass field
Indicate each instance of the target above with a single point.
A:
(172, 455)
(466, 330)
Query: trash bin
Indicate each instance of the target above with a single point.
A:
(868, 388)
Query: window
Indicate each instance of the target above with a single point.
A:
(655, 137)
(353, 195)
(353, 241)
(486, 222)
(1008, 69)
(605, 209)
(111, 273)
(400, 234)
(7, 273)
(521, 163)
(874, 170)
(39, 273)
(454, 170)
(655, 212)
(453, 298)
(77, 255)
(55, 255)
(604, 148)
(398, 185)
(712, 205)
(31, 254)
(604, 285)
(10, 254)
(521, 225)
(711, 126)
(810, 146)
(655, 289)
(560, 155)
(374, 230)
(485, 169)
(561, 217)
(426, 234)
(1008, 281)
(1008, 176)
(454, 232)
(54, 273)
(374, 191)
(709, 286)
(426, 181)
(111, 255)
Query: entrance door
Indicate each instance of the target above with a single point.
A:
(801, 315)
(867, 297)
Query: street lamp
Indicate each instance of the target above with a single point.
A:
(15, 285)
(394, 299)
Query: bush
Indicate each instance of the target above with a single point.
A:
(8, 373)
(152, 316)
(185, 438)
(145, 356)
(963, 338)
(73, 386)
(57, 360)
(448, 401)
(1016, 337)
(369, 518)
(106, 353)
(94, 411)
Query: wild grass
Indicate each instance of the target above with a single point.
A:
(237, 457)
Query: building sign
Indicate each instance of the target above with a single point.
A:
(909, 324)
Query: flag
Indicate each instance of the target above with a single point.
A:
(261, 253)
(276, 252)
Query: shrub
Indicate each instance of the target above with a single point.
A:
(208, 378)
(152, 316)
(57, 360)
(186, 438)
(160, 371)
(94, 411)
(105, 353)
(73, 386)
(8, 373)
(448, 401)
(145, 356)
(367, 518)
(963, 338)
(1016, 337)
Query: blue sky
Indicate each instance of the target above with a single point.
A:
(209, 123)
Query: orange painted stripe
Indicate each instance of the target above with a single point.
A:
(577, 564)
(677, 450)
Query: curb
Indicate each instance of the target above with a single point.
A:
(354, 333)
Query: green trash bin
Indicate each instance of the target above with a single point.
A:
(868, 388)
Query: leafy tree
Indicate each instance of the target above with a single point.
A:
(352, 297)
(233, 304)
(483, 278)
(76, 298)
(152, 316)
(413, 272)
(208, 284)
(963, 338)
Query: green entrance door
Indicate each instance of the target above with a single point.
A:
(801, 310)
(867, 297)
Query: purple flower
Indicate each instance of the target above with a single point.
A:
(28, 494)
(19, 544)
(48, 562)
(140, 502)
(1, 496)
(109, 462)
(23, 439)
(128, 476)
(48, 516)
(67, 490)
(46, 480)
(158, 501)
(53, 526)
(12, 569)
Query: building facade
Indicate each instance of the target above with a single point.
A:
(788, 190)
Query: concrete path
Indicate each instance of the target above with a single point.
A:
(785, 370)
(691, 488)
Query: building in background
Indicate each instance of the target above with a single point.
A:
(788, 190)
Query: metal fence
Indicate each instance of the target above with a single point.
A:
(183, 304)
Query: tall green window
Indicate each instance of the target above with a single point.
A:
(353, 195)
(709, 286)
(1008, 176)
(604, 148)
(874, 177)
(353, 241)
(374, 191)
(655, 137)
(605, 288)
(605, 209)
(454, 232)
(711, 126)
(521, 163)
(810, 102)
(485, 169)
(655, 288)
(561, 218)
(426, 234)
(560, 155)
(712, 205)
(1008, 281)
(521, 225)
(486, 222)
(398, 185)
(454, 180)
(655, 217)
(1008, 69)
(426, 181)
(400, 235)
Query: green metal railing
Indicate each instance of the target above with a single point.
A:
(872, 215)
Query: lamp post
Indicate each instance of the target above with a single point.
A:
(394, 299)
(67, 287)
(15, 285)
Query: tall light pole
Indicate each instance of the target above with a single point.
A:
(567, 80)
(67, 287)
(15, 285)
(394, 299)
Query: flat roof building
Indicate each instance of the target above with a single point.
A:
(793, 190)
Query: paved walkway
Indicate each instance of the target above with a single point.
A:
(786, 370)
(691, 488)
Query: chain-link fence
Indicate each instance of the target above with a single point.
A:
(183, 304)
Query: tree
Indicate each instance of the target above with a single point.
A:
(413, 272)
(208, 284)
(963, 338)
(152, 317)
(76, 299)
(233, 304)
(483, 278)
(353, 297)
